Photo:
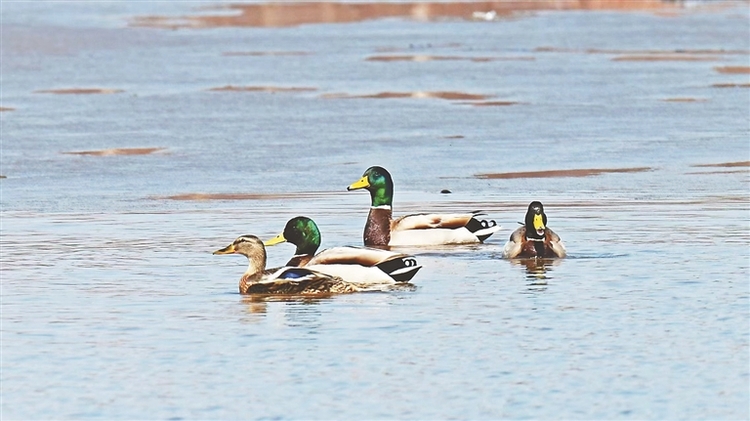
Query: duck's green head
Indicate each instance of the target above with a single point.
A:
(300, 231)
(377, 180)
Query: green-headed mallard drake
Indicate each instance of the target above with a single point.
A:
(414, 230)
(361, 265)
(534, 238)
(286, 280)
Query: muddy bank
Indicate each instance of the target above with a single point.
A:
(293, 14)
(447, 95)
(724, 165)
(79, 91)
(427, 57)
(117, 151)
(560, 173)
(733, 70)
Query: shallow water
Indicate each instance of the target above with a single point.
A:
(117, 192)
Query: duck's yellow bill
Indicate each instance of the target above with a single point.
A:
(538, 223)
(226, 250)
(275, 240)
(362, 183)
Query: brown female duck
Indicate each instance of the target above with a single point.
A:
(285, 280)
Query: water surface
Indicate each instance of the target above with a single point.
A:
(132, 150)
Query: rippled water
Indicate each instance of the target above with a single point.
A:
(114, 308)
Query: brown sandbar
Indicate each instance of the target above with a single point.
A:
(447, 95)
(284, 14)
(560, 173)
(427, 57)
(718, 172)
(79, 91)
(270, 89)
(724, 165)
(733, 70)
(118, 151)
(2, 109)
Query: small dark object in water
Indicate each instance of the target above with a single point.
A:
(445, 191)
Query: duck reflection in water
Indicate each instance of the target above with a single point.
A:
(258, 304)
(537, 270)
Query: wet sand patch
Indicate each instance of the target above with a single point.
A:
(731, 85)
(560, 173)
(733, 70)
(724, 165)
(80, 91)
(684, 100)
(665, 57)
(118, 151)
(265, 53)
(447, 95)
(3, 109)
(268, 89)
(283, 14)
(246, 196)
(427, 57)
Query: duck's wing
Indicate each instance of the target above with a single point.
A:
(302, 281)
(430, 220)
(514, 246)
(437, 228)
(364, 256)
(554, 243)
(366, 265)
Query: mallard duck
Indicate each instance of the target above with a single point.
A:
(286, 280)
(534, 238)
(414, 230)
(354, 264)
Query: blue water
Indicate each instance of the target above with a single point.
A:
(114, 308)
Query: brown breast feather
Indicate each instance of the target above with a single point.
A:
(377, 229)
